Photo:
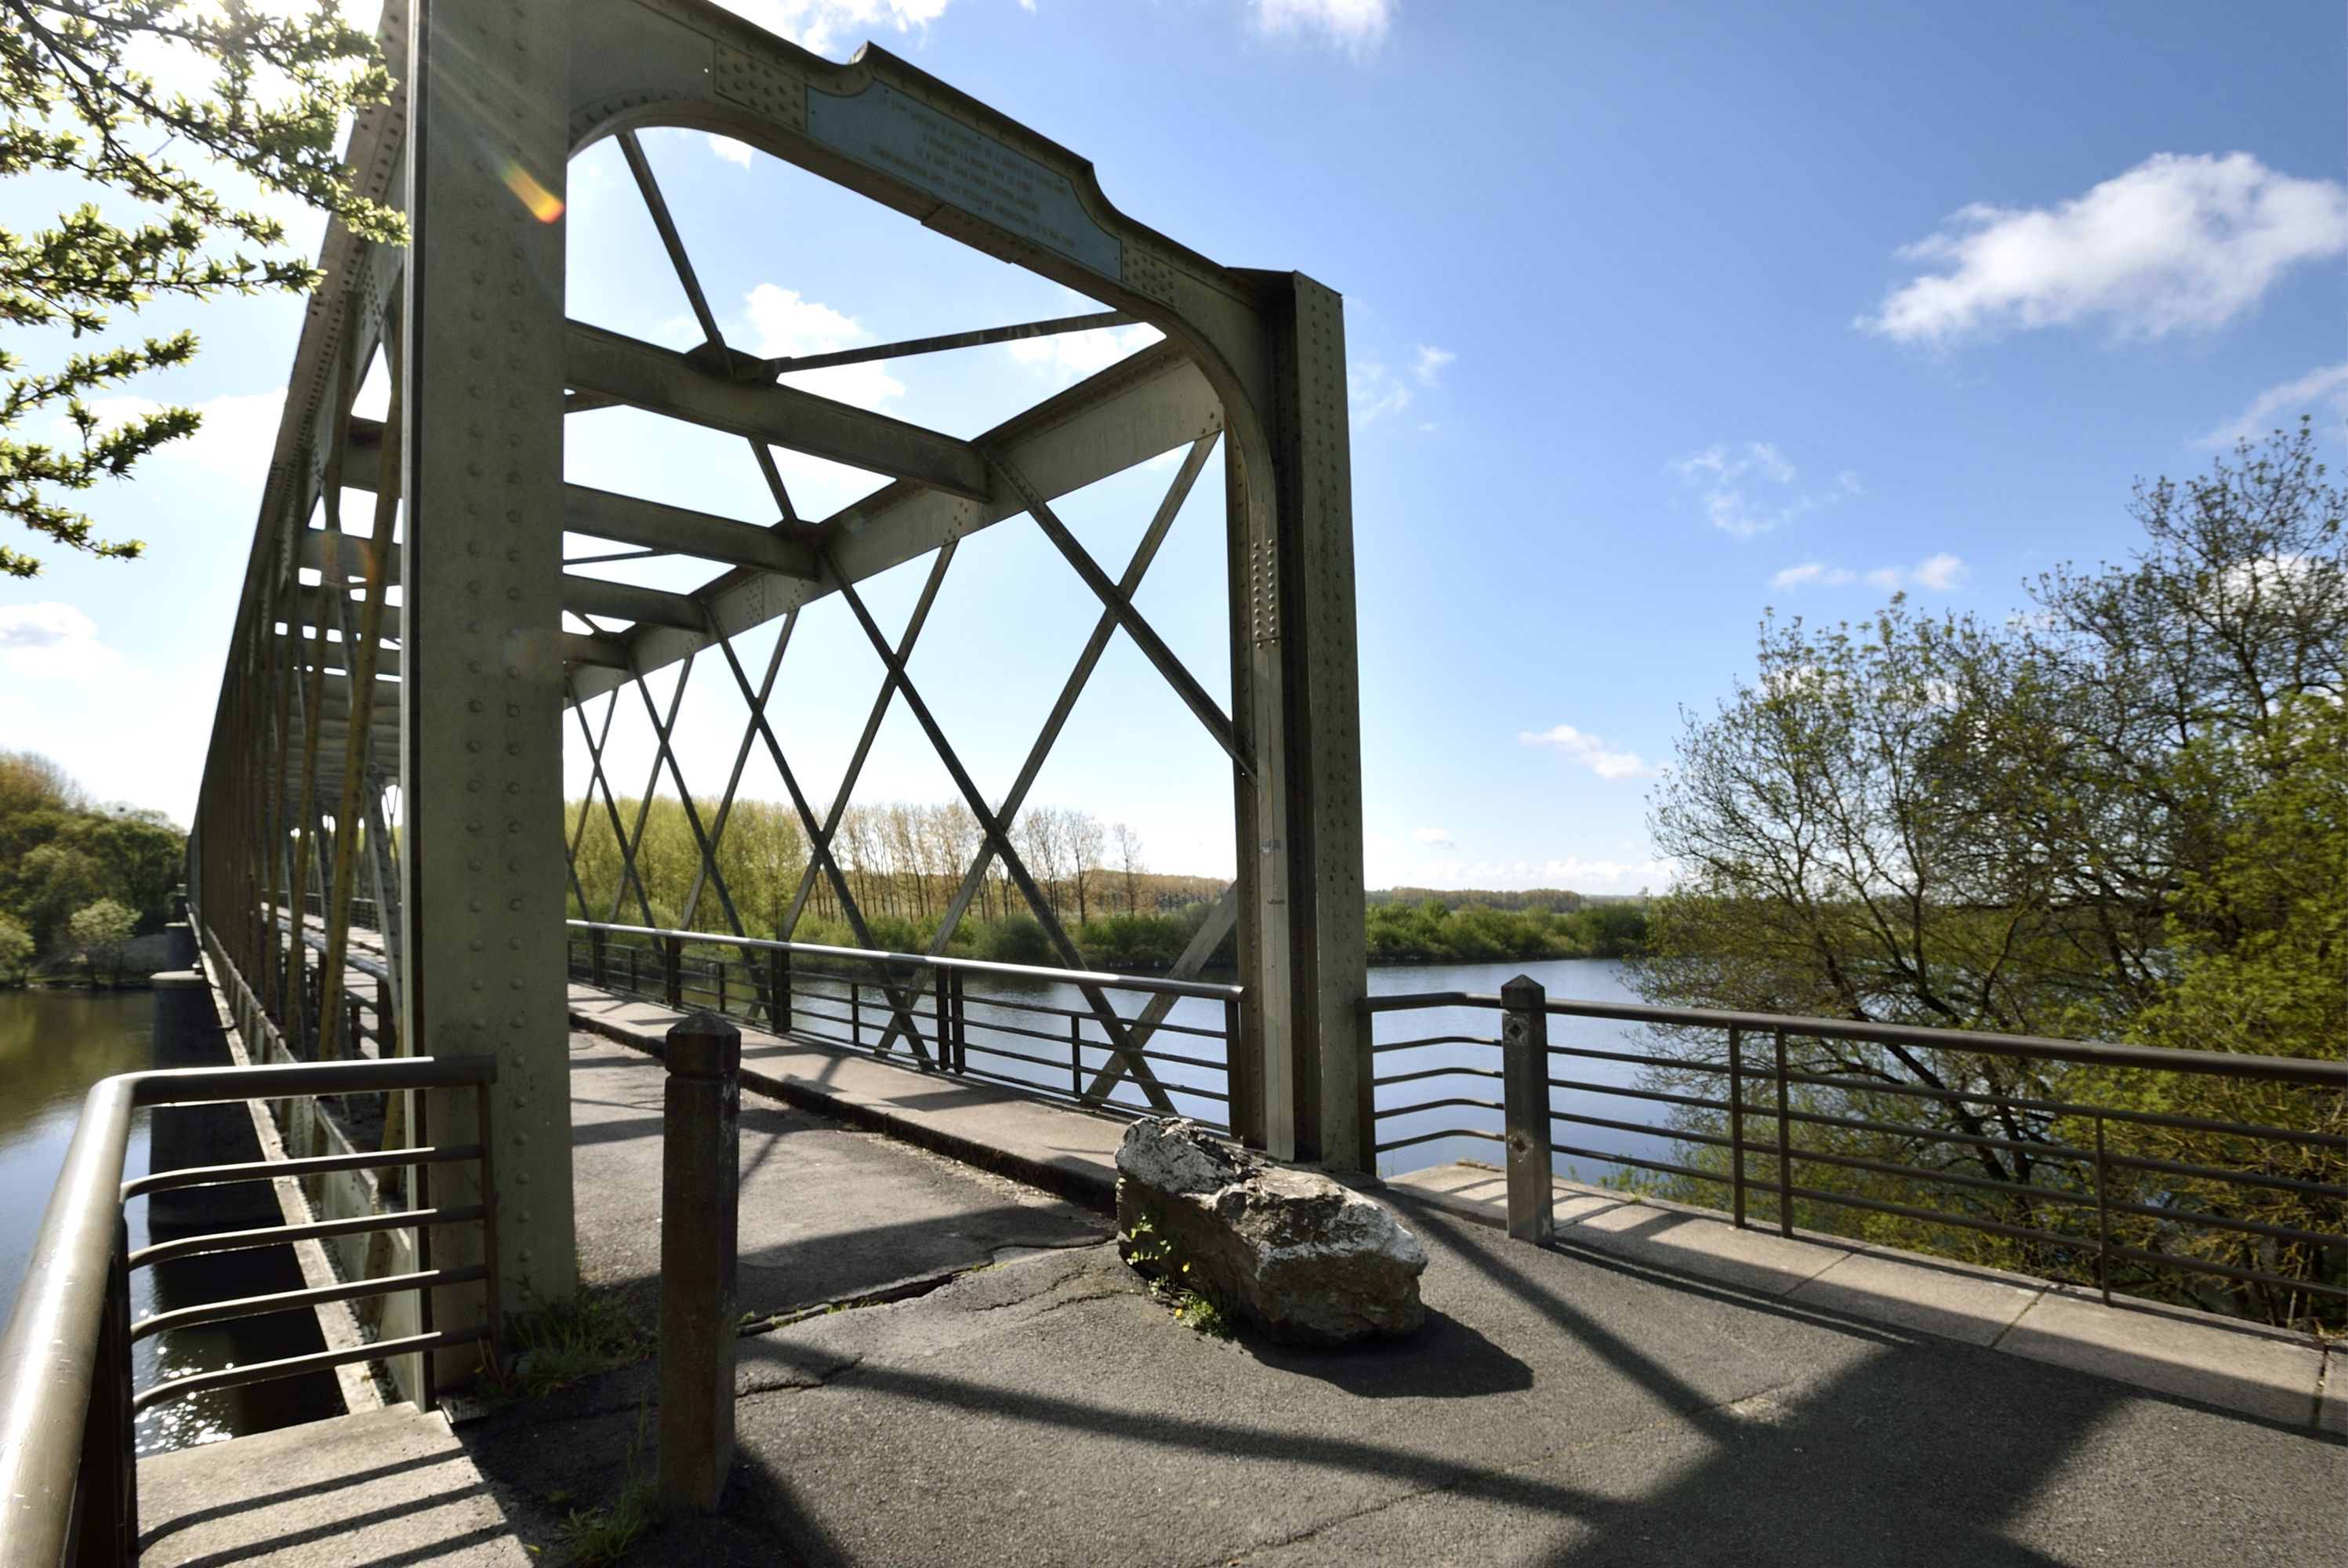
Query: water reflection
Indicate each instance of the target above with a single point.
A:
(55, 1044)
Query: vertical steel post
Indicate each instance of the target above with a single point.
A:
(484, 889)
(1295, 690)
(961, 1025)
(1785, 1145)
(855, 1016)
(700, 1195)
(1366, 1083)
(720, 1008)
(673, 971)
(108, 1480)
(1736, 1120)
(596, 944)
(2103, 1220)
(1075, 1056)
(1524, 1073)
(779, 993)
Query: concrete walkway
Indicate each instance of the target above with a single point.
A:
(946, 1367)
(2270, 1373)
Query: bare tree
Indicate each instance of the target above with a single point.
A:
(1085, 842)
(1126, 845)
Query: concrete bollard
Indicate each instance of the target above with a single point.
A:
(700, 1164)
(1524, 1076)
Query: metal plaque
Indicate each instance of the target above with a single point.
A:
(964, 168)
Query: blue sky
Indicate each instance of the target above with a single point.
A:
(1658, 315)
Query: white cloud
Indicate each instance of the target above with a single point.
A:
(1609, 876)
(820, 24)
(2328, 384)
(1435, 837)
(1358, 25)
(1429, 361)
(787, 325)
(1374, 391)
(1573, 872)
(1748, 489)
(1587, 751)
(1070, 355)
(731, 150)
(1941, 573)
(1938, 574)
(53, 639)
(2177, 242)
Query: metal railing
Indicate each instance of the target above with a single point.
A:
(996, 1023)
(67, 1478)
(2089, 1171)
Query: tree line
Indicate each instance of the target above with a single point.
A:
(78, 879)
(2120, 813)
(902, 864)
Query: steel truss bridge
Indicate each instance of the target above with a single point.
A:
(391, 728)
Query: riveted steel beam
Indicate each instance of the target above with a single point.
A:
(630, 601)
(661, 381)
(657, 525)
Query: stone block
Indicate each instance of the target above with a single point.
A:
(1305, 1259)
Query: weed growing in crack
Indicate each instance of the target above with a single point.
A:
(597, 1537)
(562, 1344)
(1154, 1255)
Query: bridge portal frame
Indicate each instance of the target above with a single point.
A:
(476, 679)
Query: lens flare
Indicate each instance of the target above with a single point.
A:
(544, 205)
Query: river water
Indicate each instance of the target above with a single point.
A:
(995, 1008)
(55, 1044)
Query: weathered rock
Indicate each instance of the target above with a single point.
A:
(1308, 1261)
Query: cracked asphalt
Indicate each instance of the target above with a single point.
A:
(1031, 1405)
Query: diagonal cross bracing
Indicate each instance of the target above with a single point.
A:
(1095, 645)
(1111, 1024)
(1149, 403)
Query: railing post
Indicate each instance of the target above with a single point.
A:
(596, 944)
(1365, 1074)
(700, 1163)
(673, 971)
(1736, 1120)
(957, 1027)
(720, 1008)
(1785, 1145)
(1524, 1071)
(778, 989)
(855, 1016)
(1075, 1056)
(2103, 1220)
(109, 1483)
(634, 984)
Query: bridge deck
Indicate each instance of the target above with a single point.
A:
(996, 1387)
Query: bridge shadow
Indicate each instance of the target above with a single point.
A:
(1866, 1445)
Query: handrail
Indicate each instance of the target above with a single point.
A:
(50, 1352)
(2048, 1203)
(934, 960)
(2096, 1053)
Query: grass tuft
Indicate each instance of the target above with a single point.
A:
(556, 1348)
(1153, 1253)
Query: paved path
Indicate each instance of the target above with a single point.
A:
(996, 1387)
